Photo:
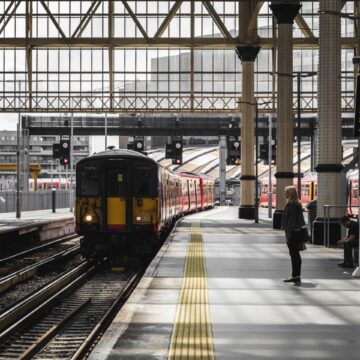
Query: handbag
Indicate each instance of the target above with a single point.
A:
(301, 236)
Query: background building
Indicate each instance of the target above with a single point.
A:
(41, 152)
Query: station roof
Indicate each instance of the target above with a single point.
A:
(205, 160)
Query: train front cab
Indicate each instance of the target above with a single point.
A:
(120, 214)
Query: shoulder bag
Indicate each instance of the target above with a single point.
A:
(301, 236)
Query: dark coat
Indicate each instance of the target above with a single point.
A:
(293, 218)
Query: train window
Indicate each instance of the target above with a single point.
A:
(116, 182)
(90, 181)
(145, 181)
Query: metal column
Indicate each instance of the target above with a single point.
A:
(247, 55)
(285, 14)
(329, 164)
(222, 167)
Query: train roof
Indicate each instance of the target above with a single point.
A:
(117, 153)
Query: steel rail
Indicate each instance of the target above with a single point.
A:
(41, 342)
(41, 297)
(21, 275)
(107, 316)
(37, 248)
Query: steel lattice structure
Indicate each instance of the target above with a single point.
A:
(150, 56)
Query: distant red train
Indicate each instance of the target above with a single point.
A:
(309, 191)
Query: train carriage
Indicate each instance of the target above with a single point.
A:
(126, 202)
(117, 202)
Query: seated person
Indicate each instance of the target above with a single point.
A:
(350, 241)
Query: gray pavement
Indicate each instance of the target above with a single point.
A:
(254, 315)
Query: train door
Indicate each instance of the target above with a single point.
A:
(118, 199)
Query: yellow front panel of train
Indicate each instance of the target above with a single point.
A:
(116, 213)
(145, 211)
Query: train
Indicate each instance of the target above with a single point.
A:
(309, 191)
(48, 184)
(126, 202)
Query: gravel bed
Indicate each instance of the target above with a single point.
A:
(49, 273)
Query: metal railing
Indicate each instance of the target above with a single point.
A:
(327, 210)
(33, 200)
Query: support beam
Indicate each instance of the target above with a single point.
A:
(136, 21)
(111, 53)
(224, 31)
(329, 166)
(168, 19)
(247, 55)
(285, 14)
(86, 19)
(9, 17)
(29, 33)
(12, 2)
(304, 27)
(51, 16)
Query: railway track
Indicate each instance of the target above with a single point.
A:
(66, 328)
(5, 262)
(26, 272)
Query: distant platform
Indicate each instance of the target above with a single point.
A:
(34, 226)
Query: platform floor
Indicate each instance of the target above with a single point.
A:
(236, 306)
(9, 222)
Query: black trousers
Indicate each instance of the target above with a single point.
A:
(348, 247)
(295, 258)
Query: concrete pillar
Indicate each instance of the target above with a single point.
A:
(25, 158)
(285, 14)
(247, 55)
(329, 151)
(222, 169)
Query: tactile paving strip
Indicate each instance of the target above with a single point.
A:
(192, 334)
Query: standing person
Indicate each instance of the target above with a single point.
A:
(293, 220)
(350, 241)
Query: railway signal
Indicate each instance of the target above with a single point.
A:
(234, 154)
(177, 147)
(264, 153)
(273, 154)
(62, 152)
(139, 145)
(65, 160)
(168, 151)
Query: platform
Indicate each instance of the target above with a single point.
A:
(38, 225)
(236, 306)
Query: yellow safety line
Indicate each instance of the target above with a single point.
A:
(192, 335)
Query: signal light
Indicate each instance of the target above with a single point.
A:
(65, 160)
(138, 144)
(233, 150)
(176, 152)
(177, 161)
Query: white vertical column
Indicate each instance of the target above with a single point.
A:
(222, 169)
(329, 151)
(247, 197)
(285, 14)
(247, 55)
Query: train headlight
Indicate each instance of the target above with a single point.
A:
(88, 218)
(138, 218)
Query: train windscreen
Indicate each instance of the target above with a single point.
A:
(116, 182)
(89, 181)
(145, 181)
